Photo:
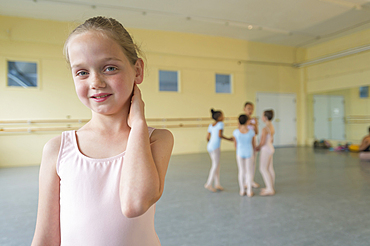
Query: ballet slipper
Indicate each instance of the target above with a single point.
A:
(242, 193)
(267, 193)
(250, 194)
(210, 188)
(219, 187)
(255, 185)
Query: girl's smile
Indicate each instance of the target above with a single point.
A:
(101, 97)
(103, 76)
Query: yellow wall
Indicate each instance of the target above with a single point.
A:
(341, 76)
(340, 73)
(254, 68)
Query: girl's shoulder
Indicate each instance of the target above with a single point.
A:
(161, 135)
(51, 151)
(220, 124)
(53, 145)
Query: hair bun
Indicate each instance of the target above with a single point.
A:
(212, 111)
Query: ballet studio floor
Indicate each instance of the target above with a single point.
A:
(323, 198)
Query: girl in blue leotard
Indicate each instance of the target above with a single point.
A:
(214, 141)
(244, 143)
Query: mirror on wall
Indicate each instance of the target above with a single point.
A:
(339, 115)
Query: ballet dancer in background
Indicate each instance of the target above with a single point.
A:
(266, 154)
(243, 138)
(253, 125)
(214, 136)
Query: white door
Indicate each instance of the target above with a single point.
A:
(336, 120)
(320, 117)
(284, 106)
(328, 113)
(287, 121)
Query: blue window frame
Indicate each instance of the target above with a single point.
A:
(364, 91)
(22, 74)
(168, 80)
(223, 83)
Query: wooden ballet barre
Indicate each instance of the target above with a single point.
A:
(187, 119)
(358, 117)
(38, 129)
(189, 125)
(57, 121)
(71, 121)
(364, 121)
(59, 129)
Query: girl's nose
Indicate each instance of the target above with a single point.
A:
(96, 81)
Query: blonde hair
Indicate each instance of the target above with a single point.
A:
(111, 28)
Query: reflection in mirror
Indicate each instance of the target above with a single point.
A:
(339, 115)
(22, 74)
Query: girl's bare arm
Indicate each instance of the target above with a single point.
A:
(48, 220)
(263, 138)
(254, 142)
(221, 135)
(364, 143)
(145, 163)
(256, 126)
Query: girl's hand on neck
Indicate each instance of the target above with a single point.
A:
(136, 114)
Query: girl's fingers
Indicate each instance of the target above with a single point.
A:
(137, 91)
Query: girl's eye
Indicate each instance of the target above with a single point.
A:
(110, 69)
(81, 73)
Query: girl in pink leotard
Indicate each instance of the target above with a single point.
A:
(253, 125)
(99, 185)
(266, 154)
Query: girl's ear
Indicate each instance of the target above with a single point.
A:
(139, 71)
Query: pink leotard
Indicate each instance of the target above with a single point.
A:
(90, 212)
(268, 147)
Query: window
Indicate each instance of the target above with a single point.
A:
(364, 91)
(168, 80)
(223, 83)
(22, 74)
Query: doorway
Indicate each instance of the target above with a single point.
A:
(328, 111)
(285, 119)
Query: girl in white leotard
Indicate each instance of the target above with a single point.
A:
(266, 154)
(214, 136)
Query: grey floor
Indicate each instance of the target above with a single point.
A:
(323, 198)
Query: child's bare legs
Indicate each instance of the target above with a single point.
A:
(254, 164)
(215, 157)
(253, 161)
(272, 171)
(217, 179)
(241, 174)
(250, 175)
(265, 161)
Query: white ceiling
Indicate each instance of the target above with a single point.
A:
(284, 22)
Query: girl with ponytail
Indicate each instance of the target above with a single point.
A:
(214, 136)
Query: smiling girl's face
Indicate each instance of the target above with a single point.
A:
(103, 76)
(249, 109)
